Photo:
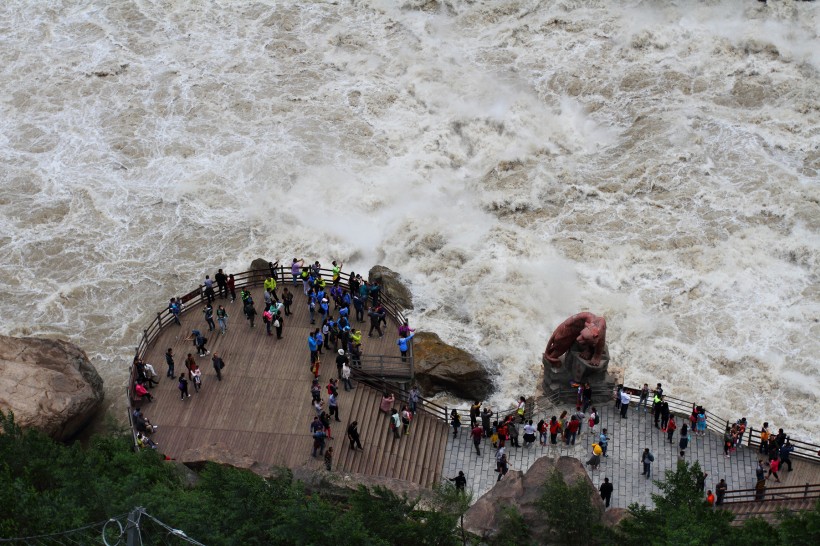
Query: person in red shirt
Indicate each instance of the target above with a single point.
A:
(502, 434)
(774, 466)
(477, 433)
(710, 498)
(572, 431)
(555, 428)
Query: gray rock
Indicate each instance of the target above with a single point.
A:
(522, 490)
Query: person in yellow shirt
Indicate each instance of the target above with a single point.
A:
(595, 461)
(270, 285)
(337, 273)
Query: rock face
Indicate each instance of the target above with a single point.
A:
(48, 384)
(260, 263)
(522, 490)
(392, 285)
(441, 367)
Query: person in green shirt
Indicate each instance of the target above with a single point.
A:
(337, 273)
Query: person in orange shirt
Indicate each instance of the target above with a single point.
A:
(710, 498)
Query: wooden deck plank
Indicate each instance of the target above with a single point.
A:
(261, 409)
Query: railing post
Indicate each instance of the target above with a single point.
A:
(446, 413)
(145, 337)
(806, 490)
(751, 431)
(159, 320)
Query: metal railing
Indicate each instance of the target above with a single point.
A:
(719, 425)
(802, 450)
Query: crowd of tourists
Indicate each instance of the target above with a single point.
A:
(567, 428)
(337, 335)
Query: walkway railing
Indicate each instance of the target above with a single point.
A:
(384, 365)
(802, 450)
(684, 408)
(808, 491)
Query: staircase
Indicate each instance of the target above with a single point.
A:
(767, 509)
(417, 457)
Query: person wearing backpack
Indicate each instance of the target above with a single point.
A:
(647, 459)
(406, 417)
(594, 419)
(199, 342)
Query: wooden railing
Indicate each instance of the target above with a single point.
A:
(440, 412)
(808, 491)
(387, 366)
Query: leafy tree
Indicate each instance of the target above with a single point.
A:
(512, 529)
(680, 516)
(569, 511)
(800, 528)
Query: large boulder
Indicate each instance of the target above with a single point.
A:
(256, 265)
(49, 385)
(392, 285)
(441, 367)
(522, 490)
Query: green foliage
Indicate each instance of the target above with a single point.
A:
(47, 487)
(681, 515)
(512, 529)
(801, 528)
(569, 511)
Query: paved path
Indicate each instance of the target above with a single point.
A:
(628, 438)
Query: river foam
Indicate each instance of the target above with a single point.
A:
(517, 161)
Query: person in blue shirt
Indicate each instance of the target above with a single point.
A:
(358, 304)
(173, 306)
(314, 348)
(402, 343)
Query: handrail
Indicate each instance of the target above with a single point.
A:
(778, 493)
(802, 450)
(719, 425)
(244, 279)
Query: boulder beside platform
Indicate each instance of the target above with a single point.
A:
(442, 367)
(49, 384)
(392, 285)
(522, 490)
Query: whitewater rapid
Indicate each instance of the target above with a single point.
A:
(518, 161)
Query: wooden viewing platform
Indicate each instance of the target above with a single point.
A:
(262, 409)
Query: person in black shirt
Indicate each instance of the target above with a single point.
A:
(222, 282)
(722, 487)
(460, 481)
(353, 435)
(606, 491)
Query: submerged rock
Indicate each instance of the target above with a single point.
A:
(442, 367)
(49, 384)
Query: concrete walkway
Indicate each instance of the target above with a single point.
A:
(628, 438)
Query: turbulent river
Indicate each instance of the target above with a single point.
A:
(517, 161)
